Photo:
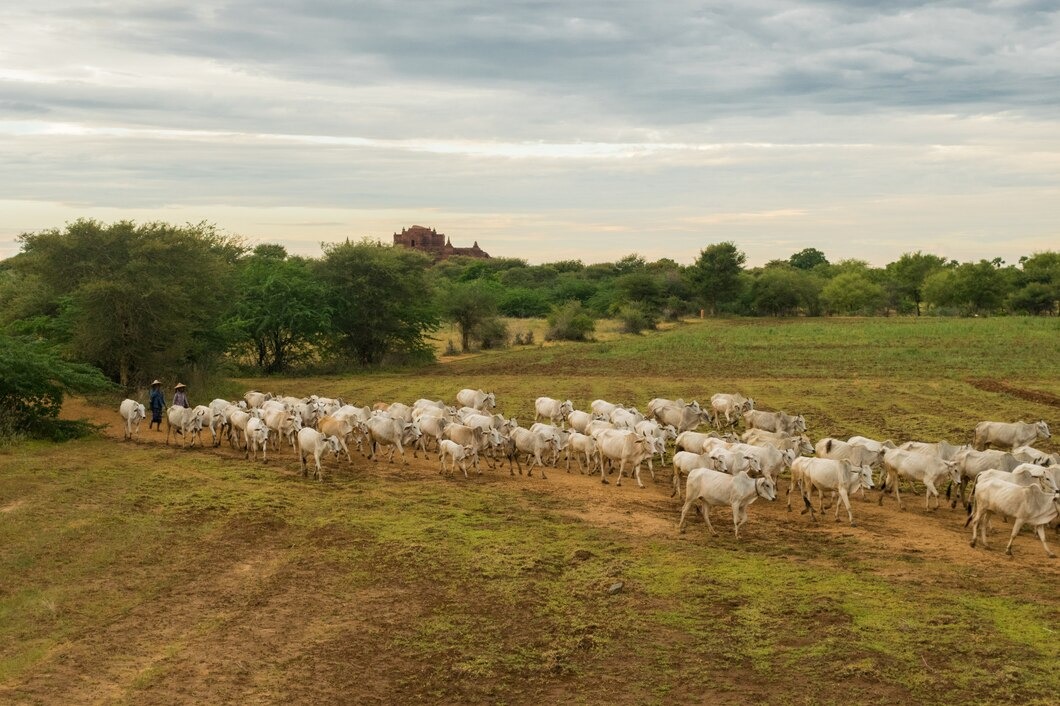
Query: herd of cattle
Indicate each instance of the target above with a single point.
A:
(1012, 479)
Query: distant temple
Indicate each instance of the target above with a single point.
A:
(435, 244)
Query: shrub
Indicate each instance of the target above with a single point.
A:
(33, 381)
(636, 318)
(570, 322)
(493, 333)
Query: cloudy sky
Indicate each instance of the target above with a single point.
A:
(542, 129)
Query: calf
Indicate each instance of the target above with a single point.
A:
(451, 450)
(580, 445)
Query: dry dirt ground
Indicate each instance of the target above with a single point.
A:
(243, 615)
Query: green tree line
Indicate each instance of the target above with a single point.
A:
(139, 300)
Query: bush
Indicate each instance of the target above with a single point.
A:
(636, 318)
(493, 333)
(33, 381)
(570, 322)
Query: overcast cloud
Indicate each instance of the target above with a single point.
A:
(543, 130)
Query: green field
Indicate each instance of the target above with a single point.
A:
(136, 573)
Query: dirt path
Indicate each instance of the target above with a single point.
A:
(650, 512)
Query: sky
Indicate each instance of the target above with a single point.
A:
(543, 130)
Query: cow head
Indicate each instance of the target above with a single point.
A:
(748, 405)
(766, 488)
(669, 431)
(952, 472)
(789, 457)
(1043, 429)
(334, 446)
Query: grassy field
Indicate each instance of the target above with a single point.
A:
(136, 573)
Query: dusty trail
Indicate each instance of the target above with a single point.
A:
(650, 512)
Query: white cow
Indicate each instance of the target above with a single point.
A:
(561, 436)
(1025, 504)
(970, 463)
(580, 445)
(579, 420)
(256, 434)
(341, 428)
(733, 462)
(188, 422)
(733, 406)
(707, 488)
(871, 444)
(771, 460)
(1029, 454)
(681, 416)
(237, 424)
(695, 441)
(799, 444)
(482, 401)
(313, 443)
(553, 410)
(1009, 436)
(132, 413)
(211, 419)
(836, 475)
(661, 434)
(775, 421)
(625, 447)
(384, 431)
(624, 418)
(533, 444)
(458, 454)
(282, 424)
(684, 462)
(927, 468)
(255, 399)
(431, 428)
(603, 408)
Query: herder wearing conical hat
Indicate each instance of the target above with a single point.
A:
(180, 397)
(158, 404)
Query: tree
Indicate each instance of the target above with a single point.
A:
(381, 300)
(34, 378)
(471, 306)
(715, 274)
(907, 275)
(783, 291)
(852, 293)
(281, 312)
(972, 287)
(807, 259)
(134, 300)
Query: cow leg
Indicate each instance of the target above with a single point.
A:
(846, 502)
(463, 467)
(603, 477)
(929, 490)
(706, 518)
(677, 482)
(621, 469)
(636, 474)
(1040, 530)
(1017, 523)
(684, 512)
